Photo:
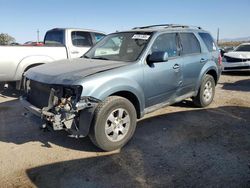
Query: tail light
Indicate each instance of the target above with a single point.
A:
(220, 60)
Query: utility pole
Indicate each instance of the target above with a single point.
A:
(38, 40)
(218, 35)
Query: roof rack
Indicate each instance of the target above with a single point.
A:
(167, 26)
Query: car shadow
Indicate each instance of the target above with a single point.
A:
(241, 85)
(13, 121)
(9, 92)
(205, 147)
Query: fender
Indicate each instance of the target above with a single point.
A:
(28, 61)
(208, 67)
(103, 90)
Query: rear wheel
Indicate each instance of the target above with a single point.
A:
(114, 123)
(206, 92)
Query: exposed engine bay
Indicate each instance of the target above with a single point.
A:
(61, 106)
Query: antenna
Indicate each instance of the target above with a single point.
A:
(38, 40)
(218, 35)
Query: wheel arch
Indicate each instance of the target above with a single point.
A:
(132, 98)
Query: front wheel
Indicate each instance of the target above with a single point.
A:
(206, 92)
(114, 123)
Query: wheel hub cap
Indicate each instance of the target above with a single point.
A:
(117, 125)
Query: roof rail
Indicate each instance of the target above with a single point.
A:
(168, 26)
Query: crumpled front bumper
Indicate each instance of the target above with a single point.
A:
(61, 122)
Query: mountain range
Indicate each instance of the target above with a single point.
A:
(235, 39)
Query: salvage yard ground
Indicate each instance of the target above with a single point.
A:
(177, 146)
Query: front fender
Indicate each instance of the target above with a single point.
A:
(105, 88)
(29, 61)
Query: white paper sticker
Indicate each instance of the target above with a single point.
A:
(141, 37)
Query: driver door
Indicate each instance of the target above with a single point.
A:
(163, 79)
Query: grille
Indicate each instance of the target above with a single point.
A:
(38, 94)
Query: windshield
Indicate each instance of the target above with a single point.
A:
(243, 48)
(120, 47)
(54, 37)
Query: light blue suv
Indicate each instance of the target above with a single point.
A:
(126, 75)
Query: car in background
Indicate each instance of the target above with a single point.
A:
(31, 43)
(238, 59)
(59, 44)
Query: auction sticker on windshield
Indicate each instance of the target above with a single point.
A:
(141, 37)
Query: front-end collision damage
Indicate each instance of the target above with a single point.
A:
(65, 109)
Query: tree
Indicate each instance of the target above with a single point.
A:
(6, 39)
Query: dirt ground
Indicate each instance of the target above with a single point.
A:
(177, 146)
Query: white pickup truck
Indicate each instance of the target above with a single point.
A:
(59, 43)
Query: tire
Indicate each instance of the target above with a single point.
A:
(206, 92)
(113, 124)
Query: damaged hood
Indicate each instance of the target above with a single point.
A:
(69, 71)
(238, 55)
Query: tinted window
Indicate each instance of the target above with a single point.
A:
(98, 36)
(189, 44)
(209, 41)
(166, 43)
(243, 48)
(55, 37)
(80, 38)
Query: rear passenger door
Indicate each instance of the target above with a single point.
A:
(81, 42)
(192, 61)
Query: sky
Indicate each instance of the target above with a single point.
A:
(22, 18)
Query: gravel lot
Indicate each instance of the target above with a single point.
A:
(178, 146)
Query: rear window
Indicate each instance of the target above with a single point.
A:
(189, 43)
(81, 38)
(209, 41)
(54, 37)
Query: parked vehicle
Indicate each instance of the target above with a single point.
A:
(58, 44)
(238, 59)
(104, 93)
(31, 43)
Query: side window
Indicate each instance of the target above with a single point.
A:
(189, 44)
(81, 39)
(98, 36)
(166, 43)
(209, 41)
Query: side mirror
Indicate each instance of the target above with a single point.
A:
(158, 57)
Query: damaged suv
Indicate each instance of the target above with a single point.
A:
(123, 77)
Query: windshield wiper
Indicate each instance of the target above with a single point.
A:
(101, 58)
(85, 56)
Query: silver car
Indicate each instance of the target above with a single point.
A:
(238, 59)
(125, 76)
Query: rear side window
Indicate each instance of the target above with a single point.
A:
(81, 39)
(209, 41)
(189, 44)
(98, 36)
(166, 43)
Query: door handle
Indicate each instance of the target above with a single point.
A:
(75, 52)
(203, 60)
(176, 66)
